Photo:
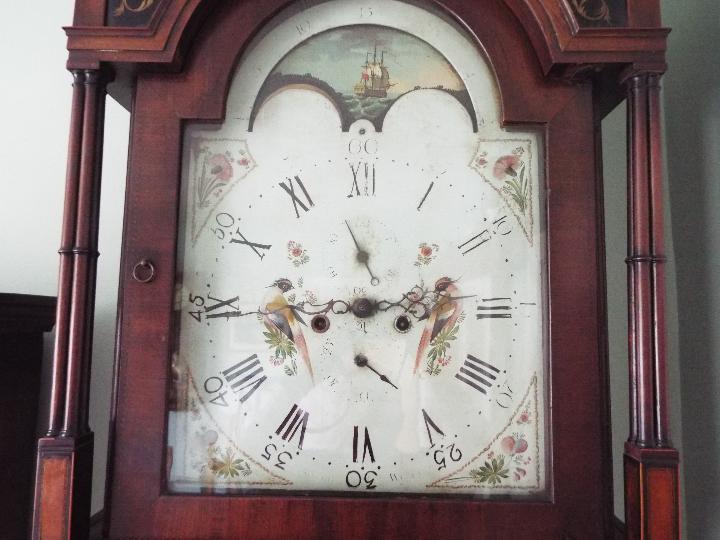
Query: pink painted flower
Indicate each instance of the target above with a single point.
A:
(521, 445)
(506, 165)
(220, 167)
(275, 361)
(426, 254)
(482, 162)
(296, 253)
(244, 162)
(519, 473)
(444, 361)
(524, 418)
(508, 445)
(512, 445)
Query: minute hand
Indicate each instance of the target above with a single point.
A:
(362, 256)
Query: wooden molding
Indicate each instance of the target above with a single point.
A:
(26, 313)
(552, 28)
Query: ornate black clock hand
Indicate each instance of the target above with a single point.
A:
(363, 257)
(362, 361)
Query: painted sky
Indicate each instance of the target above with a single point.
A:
(337, 57)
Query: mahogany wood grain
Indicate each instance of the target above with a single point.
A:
(652, 493)
(644, 13)
(63, 481)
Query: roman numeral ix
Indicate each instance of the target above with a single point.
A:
(477, 374)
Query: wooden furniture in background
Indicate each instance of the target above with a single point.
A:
(562, 64)
(23, 320)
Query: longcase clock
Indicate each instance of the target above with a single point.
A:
(362, 289)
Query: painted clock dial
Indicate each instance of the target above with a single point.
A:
(360, 295)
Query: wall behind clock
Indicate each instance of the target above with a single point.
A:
(35, 100)
(692, 122)
(35, 104)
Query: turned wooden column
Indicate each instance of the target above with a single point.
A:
(64, 459)
(651, 464)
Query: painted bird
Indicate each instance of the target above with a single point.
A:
(280, 315)
(442, 315)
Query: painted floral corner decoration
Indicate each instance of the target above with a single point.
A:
(511, 170)
(217, 165)
(225, 463)
(204, 453)
(426, 254)
(438, 355)
(217, 171)
(506, 166)
(297, 254)
(283, 350)
(497, 468)
(511, 460)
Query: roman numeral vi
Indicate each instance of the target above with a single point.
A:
(367, 446)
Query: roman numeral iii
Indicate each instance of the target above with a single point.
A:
(494, 308)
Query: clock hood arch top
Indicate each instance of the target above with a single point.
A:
(557, 36)
(496, 32)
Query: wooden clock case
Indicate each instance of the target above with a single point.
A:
(171, 62)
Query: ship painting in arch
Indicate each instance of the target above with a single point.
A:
(328, 63)
(375, 78)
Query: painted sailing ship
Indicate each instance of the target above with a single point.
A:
(375, 77)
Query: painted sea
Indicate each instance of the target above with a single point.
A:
(367, 107)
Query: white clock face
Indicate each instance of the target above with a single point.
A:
(360, 296)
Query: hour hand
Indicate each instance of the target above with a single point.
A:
(362, 361)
